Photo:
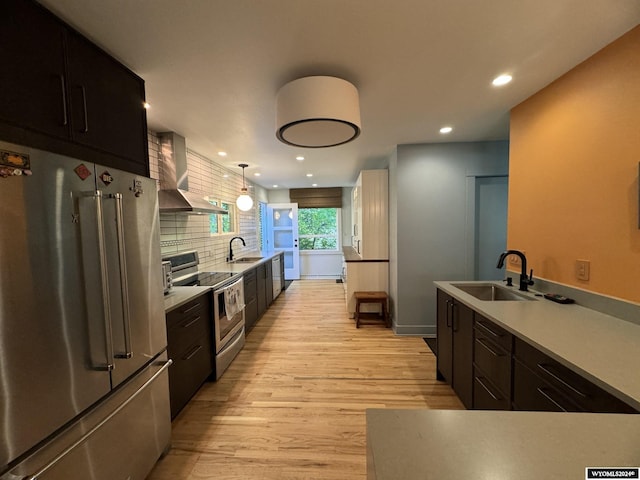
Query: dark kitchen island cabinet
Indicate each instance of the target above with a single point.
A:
(455, 346)
(63, 94)
(492, 347)
(491, 368)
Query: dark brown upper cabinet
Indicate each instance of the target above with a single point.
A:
(62, 93)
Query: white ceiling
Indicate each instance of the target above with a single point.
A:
(213, 68)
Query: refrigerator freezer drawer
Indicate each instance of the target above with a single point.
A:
(121, 439)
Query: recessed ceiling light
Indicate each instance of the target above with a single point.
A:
(275, 186)
(226, 175)
(309, 174)
(222, 154)
(299, 158)
(314, 184)
(446, 129)
(146, 105)
(501, 80)
(257, 174)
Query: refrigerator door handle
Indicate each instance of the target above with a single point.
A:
(96, 197)
(124, 287)
(86, 436)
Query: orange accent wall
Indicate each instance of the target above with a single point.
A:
(573, 173)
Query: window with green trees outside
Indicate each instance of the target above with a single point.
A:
(222, 223)
(318, 228)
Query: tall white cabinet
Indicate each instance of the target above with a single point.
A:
(370, 207)
(367, 263)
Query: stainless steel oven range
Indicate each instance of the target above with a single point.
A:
(228, 304)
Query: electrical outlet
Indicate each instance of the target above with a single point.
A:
(515, 259)
(583, 268)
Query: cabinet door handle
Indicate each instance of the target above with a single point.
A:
(192, 307)
(84, 109)
(453, 316)
(542, 392)
(491, 332)
(448, 322)
(547, 369)
(484, 343)
(63, 91)
(189, 355)
(479, 380)
(194, 320)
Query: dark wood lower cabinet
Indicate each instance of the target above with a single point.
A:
(250, 300)
(491, 369)
(261, 281)
(492, 348)
(462, 325)
(455, 346)
(487, 396)
(543, 384)
(444, 338)
(268, 278)
(190, 346)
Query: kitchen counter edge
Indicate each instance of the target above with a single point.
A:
(178, 296)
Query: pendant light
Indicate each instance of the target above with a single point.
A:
(244, 201)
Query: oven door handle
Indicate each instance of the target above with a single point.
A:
(228, 285)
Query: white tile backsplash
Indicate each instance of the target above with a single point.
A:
(191, 232)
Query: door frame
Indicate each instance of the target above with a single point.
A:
(470, 220)
(289, 273)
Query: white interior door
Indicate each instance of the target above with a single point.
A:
(283, 235)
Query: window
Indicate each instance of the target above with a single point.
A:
(318, 228)
(219, 224)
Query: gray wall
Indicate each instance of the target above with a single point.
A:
(431, 200)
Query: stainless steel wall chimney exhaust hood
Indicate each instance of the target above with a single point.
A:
(173, 196)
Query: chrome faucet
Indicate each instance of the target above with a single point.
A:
(231, 248)
(525, 280)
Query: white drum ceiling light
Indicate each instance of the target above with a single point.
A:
(317, 112)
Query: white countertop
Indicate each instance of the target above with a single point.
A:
(490, 445)
(244, 266)
(601, 348)
(180, 295)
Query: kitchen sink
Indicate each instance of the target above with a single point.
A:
(247, 260)
(490, 292)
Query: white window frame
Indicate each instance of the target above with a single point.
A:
(338, 236)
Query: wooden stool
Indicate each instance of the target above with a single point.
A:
(372, 297)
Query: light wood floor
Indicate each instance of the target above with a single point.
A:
(292, 404)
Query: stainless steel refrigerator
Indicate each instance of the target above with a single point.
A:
(83, 364)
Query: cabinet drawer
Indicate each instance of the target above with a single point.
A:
(250, 289)
(190, 308)
(532, 393)
(181, 335)
(486, 396)
(495, 333)
(493, 361)
(574, 387)
(188, 372)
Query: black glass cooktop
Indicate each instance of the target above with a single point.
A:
(205, 279)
